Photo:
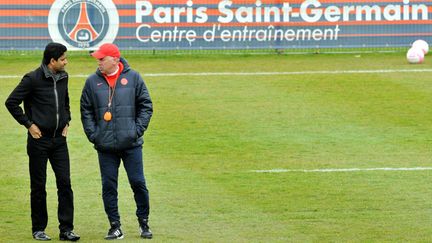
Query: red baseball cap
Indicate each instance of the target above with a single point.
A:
(106, 49)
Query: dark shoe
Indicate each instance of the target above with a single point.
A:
(144, 229)
(115, 232)
(40, 235)
(69, 235)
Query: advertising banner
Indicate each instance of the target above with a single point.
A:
(214, 24)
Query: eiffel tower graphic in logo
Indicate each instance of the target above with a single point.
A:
(83, 31)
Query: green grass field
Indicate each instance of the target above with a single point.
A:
(210, 132)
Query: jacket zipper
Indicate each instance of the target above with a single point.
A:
(57, 107)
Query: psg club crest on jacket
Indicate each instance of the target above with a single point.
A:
(124, 81)
(84, 24)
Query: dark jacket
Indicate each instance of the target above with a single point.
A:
(131, 110)
(46, 101)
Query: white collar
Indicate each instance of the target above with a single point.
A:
(115, 72)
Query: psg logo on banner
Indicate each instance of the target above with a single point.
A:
(83, 24)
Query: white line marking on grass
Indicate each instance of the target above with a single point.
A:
(342, 170)
(259, 73)
(287, 73)
(20, 76)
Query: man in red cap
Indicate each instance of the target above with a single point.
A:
(115, 111)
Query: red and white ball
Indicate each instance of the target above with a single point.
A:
(423, 45)
(415, 55)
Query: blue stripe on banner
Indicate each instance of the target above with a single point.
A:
(24, 32)
(24, 19)
(23, 44)
(24, 7)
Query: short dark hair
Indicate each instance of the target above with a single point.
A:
(53, 50)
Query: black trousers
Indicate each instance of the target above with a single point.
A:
(55, 150)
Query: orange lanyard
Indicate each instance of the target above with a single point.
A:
(111, 95)
(108, 115)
